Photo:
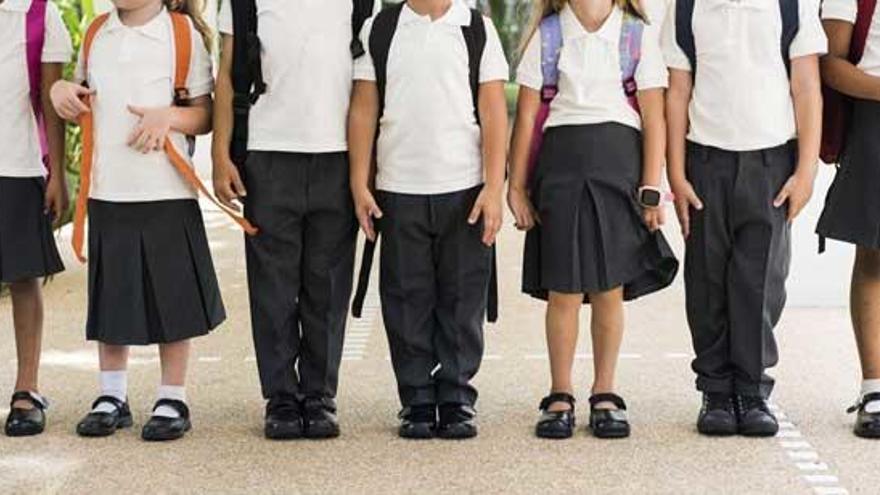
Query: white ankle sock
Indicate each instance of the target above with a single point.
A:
(871, 387)
(114, 384)
(169, 392)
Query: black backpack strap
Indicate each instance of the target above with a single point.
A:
(381, 35)
(790, 10)
(247, 74)
(475, 39)
(684, 31)
(361, 11)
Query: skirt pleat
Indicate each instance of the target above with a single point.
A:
(27, 245)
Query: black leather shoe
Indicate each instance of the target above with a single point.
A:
(102, 424)
(867, 424)
(418, 422)
(457, 422)
(556, 424)
(284, 419)
(608, 423)
(755, 418)
(23, 422)
(319, 418)
(162, 429)
(718, 416)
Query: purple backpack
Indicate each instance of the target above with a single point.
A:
(35, 36)
(551, 48)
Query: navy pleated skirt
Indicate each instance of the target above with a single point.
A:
(151, 277)
(27, 247)
(592, 237)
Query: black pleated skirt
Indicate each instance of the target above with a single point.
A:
(852, 206)
(592, 237)
(151, 277)
(27, 247)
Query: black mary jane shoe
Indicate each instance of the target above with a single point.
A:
(418, 422)
(457, 422)
(26, 422)
(319, 418)
(104, 424)
(609, 423)
(867, 424)
(162, 429)
(754, 417)
(556, 425)
(284, 419)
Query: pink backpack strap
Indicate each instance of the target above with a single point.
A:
(630, 54)
(35, 35)
(551, 48)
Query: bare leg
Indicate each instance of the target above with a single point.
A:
(607, 333)
(113, 357)
(865, 310)
(563, 311)
(175, 360)
(27, 316)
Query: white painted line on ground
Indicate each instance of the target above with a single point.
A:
(250, 359)
(803, 455)
(352, 358)
(209, 359)
(627, 355)
(677, 355)
(812, 466)
(830, 490)
(796, 444)
(789, 434)
(535, 357)
(785, 425)
(821, 479)
(492, 357)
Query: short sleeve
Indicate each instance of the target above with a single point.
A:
(840, 10)
(363, 66)
(529, 73)
(673, 55)
(651, 72)
(201, 75)
(493, 66)
(57, 47)
(224, 17)
(810, 39)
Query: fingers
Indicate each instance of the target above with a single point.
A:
(80, 90)
(491, 226)
(365, 219)
(225, 194)
(237, 183)
(694, 200)
(783, 196)
(476, 212)
(139, 111)
(682, 209)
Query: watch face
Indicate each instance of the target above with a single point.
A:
(650, 197)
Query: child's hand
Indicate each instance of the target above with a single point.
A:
(654, 218)
(488, 206)
(522, 209)
(685, 199)
(228, 185)
(67, 98)
(797, 192)
(366, 209)
(150, 133)
(57, 200)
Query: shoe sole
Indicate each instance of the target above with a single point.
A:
(321, 434)
(292, 434)
(123, 423)
(609, 435)
(456, 434)
(24, 433)
(166, 438)
(417, 433)
(759, 433)
(870, 435)
(717, 432)
(550, 435)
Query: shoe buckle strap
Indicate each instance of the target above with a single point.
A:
(34, 398)
(608, 397)
(175, 404)
(546, 402)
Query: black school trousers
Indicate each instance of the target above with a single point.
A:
(300, 268)
(736, 262)
(434, 282)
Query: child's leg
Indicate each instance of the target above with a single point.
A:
(174, 359)
(607, 332)
(27, 315)
(865, 309)
(563, 313)
(113, 361)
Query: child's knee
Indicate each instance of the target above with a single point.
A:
(565, 302)
(868, 263)
(24, 288)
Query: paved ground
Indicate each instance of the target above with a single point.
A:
(225, 453)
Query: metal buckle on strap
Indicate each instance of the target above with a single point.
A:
(630, 87)
(241, 103)
(548, 93)
(357, 48)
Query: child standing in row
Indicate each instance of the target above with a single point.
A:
(598, 177)
(34, 46)
(432, 86)
(151, 277)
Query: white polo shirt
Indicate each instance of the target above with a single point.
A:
(742, 93)
(847, 11)
(19, 139)
(135, 66)
(590, 77)
(307, 67)
(429, 139)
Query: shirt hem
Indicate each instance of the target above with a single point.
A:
(336, 147)
(430, 189)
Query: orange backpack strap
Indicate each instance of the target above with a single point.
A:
(86, 123)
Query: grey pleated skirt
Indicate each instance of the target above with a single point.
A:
(151, 277)
(592, 237)
(27, 247)
(852, 206)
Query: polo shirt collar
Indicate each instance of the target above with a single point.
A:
(458, 15)
(16, 5)
(156, 28)
(610, 30)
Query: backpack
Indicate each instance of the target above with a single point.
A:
(247, 69)
(182, 61)
(838, 107)
(35, 36)
(550, 29)
(684, 30)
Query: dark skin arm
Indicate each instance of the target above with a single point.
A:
(57, 197)
(838, 72)
(228, 185)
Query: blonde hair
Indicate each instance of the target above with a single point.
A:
(195, 9)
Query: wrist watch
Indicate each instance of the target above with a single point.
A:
(652, 197)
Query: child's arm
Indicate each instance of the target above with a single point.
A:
(838, 72)
(156, 122)
(228, 185)
(527, 107)
(806, 92)
(678, 98)
(493, 122)
(67, 99)
(57, 200)
(654, 149)
(362, 123)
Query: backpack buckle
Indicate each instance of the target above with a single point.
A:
(181, 97)
(548, 93)
(241, 103)
(630, 87)
(357, 49)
